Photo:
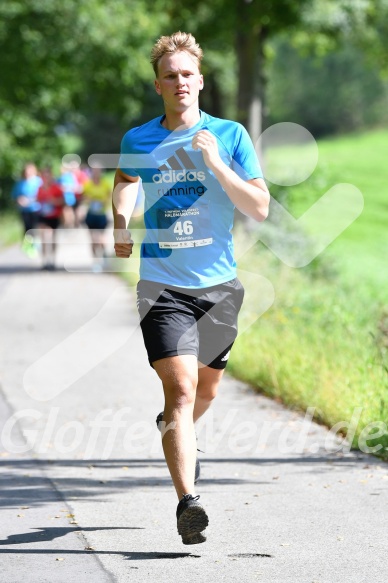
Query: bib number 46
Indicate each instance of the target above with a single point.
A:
(183, 228)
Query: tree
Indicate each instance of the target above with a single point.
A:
(248, 25)
(245, 25)
(334, 92)
(82, 67)
(63, 63)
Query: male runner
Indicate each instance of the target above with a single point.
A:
(195, 170)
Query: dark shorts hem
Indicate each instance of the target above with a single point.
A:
(52, 222)
(202, 322)
(168, 354)
(98, 222)
(216, 364)
(220, 362)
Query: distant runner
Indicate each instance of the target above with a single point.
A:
(50, 197)
(25, 192)
(96, 194)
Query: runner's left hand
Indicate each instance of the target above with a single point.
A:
(207, 142)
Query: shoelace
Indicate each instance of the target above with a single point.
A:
(187, 497)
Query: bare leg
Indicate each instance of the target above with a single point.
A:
(48, 243)
(98, 240)
(68, 217)
(179, 375)
(208, 381)
(54, 245)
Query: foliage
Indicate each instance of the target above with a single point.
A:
(62, 63)
(334, 92)
(361, 22)
(324, 342)
(81, 68)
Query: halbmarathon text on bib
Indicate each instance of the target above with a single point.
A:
(182, 228)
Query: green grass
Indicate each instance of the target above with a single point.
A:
(324, 341)
(361, 160)
(11, 230)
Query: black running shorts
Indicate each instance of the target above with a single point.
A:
(177, 321)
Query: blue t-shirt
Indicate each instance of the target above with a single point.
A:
(28, 187)
(187, 214)
(68, 183)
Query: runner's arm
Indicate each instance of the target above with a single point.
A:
(123, 203)
(23, 200)
(251, 197)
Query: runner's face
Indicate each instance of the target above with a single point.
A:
(179, 81)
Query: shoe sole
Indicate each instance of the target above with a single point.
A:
(191, 523)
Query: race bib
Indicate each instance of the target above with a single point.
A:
(182, 228)
(96, 207)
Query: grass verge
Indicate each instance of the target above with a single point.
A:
(10, 228)
(324, 341)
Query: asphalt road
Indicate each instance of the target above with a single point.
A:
(85, 494)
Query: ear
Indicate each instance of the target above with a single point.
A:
(201, 82)
(157, 87)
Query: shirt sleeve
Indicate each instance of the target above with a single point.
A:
(86, 188)
(125, 151)
(17, 190)
(245, 161)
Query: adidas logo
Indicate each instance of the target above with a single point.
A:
(180, 168)
(225, 358)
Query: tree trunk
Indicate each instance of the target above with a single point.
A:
(251, 78)
(211, 97)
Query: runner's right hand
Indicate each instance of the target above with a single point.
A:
(123, 243)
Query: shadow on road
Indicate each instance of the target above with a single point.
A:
(136, 556)
(49, 534)
(18, 488)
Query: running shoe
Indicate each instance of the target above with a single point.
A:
(29, 247)
(197, 474)
(191, 520)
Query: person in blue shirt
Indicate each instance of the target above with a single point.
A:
(24, 193)
(195, 169)
(70, 187)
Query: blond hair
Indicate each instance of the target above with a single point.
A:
(179, 41)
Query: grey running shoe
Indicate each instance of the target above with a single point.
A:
(191, 520)
(197, 474)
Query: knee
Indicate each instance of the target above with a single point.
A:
(180, 392)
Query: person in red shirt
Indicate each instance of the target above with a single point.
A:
(50, 196)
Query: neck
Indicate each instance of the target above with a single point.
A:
(176, 119)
